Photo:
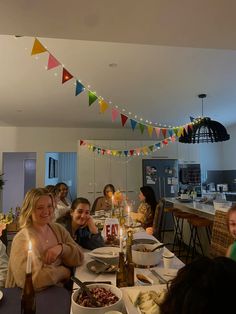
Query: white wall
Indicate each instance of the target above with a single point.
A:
(42, 140)
(229, 150)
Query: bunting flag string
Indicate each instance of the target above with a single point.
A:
(138, 151)
(160, 130)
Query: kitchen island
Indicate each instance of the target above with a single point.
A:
(197, 208)
(194, 207)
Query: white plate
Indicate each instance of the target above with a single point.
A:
(1, 295)
(105, 252)
(130, 308)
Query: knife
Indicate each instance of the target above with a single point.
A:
(160, 278)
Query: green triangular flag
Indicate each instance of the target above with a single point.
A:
(92, 97)
(141, 126)
(151, 148)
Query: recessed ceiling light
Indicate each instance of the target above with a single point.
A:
(113, 65)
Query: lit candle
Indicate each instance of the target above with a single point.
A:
(121, 239)
(112, 202)
(29, 259)
(128, 210)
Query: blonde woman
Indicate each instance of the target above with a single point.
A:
(54, 251)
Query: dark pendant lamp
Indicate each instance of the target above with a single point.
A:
(204, 130)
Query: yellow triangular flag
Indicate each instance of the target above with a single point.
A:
(150, 130)
(37, 48)
(103, 105)
(180, 131)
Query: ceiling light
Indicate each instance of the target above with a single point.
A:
(204, 130)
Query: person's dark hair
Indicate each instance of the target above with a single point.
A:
(110, 186)
(58, 186)
(51, 189)
(79, 200)
(150, 197)
(205, 286)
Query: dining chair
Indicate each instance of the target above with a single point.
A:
(92, 211)
(158, 219)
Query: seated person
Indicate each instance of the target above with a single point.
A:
(81, 225)
(205, 286)
(147, 207)
(231, 224)
(3, 259)
(62, 202)
(104, 202)
(55, 253)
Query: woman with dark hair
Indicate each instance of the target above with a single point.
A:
(147, 207)
(104, 202)
(62, 202)
(81, 225)
(206, 286)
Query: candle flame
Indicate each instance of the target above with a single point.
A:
(30, 246)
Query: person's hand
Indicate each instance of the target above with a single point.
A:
(149, 230)
(52, 254)
(91, 225)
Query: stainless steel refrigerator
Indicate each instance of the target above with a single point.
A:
(162, 176)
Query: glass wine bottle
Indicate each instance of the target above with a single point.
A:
(129, 265)
(121, 273)
(28, 304)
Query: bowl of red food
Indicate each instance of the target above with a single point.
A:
(108, 296)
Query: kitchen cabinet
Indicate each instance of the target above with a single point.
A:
(95, 171)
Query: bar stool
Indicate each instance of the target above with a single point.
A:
(195, 223)
(170, 210)
(180, 216)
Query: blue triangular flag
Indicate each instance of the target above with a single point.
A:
(126, 153)
(158, 145)
(79, 88)
(171, 132)
(191, 119)
(133, 123)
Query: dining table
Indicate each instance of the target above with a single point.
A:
(53, 300)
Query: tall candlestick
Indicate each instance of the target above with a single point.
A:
(112, 202)
(121, 239)
(128, 210)
(29, 259)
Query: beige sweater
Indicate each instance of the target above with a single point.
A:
(43, 275)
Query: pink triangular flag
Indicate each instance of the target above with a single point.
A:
(114, 114)
(52, 62)
(158, 131)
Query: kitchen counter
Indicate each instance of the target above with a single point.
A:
(200, 209)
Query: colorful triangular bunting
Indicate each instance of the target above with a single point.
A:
(37, 48)
(141, 126)
(114, 114)
(103, 105)
(133, 123)
(66, 76)
(92, 97)
(52, 62)
(79, 88)
(123, 119)
(150, 130)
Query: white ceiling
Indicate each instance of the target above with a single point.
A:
(166, 54)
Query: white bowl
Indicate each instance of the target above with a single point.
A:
(78, 309)
(146, 258)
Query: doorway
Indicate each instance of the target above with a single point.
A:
(62, 167)
(19, 171)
